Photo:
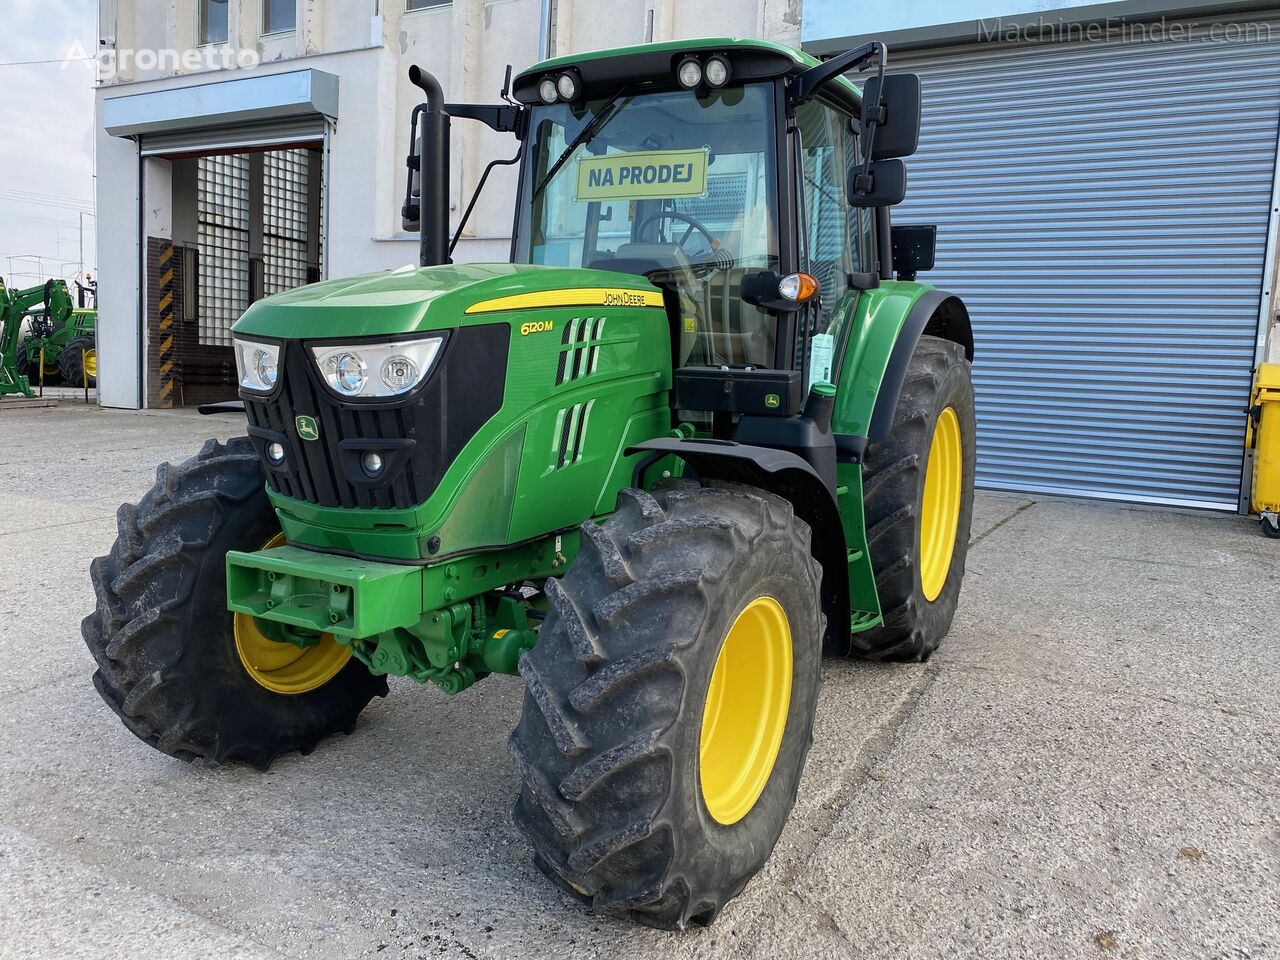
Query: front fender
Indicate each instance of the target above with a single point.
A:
(886, 325)
(785, 474)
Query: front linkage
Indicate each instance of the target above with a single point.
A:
(471, 628)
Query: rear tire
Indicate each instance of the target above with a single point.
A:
(163, 638)
(73, 359)
(618, 785)
(893, 482)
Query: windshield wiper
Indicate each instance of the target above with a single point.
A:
(586, 133)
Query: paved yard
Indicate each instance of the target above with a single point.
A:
(1090, 767)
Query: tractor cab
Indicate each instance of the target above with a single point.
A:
(735, 175)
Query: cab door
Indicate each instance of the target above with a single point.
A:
(836, 240)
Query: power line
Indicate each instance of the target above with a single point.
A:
(33, 63)
(26, 196)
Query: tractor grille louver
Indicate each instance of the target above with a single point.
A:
(464, 390)
(580, 352)
(570, 433)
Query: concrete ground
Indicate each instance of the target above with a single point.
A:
(1090, 767)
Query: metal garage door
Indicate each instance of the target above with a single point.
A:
(1104, 209)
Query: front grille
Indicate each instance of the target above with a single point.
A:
(419, 437)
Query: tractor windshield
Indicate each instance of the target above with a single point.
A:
(675, 186)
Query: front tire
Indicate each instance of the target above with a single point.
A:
(918, 501)
(171, 657)
(79, 362)
(29, 367)
(670, 701)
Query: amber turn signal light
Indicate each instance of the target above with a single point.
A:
(798, 287)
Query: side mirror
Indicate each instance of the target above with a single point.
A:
(884, 185)
(898, 124)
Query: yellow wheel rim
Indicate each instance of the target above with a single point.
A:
(940, 506)
(284, 667)
(746, 710)
(91, 362)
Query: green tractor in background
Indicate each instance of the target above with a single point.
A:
(693, 435)
(60, 343)
(61, 340)
(65, 342)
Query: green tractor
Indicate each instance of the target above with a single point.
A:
(693, 435)
(60, 345)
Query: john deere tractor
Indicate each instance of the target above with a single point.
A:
(703, 427)
(60, 344)
(60, 336)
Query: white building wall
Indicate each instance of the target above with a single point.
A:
(369, 45)
(118, 251)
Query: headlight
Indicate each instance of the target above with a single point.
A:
(258, 364)
(345, 372)
(376, 369)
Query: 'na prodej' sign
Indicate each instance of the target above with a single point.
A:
(645, 175)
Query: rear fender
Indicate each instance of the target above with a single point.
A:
(786, 475)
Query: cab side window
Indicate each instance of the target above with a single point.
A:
(831, 232)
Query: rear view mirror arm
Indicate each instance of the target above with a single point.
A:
(807, 84)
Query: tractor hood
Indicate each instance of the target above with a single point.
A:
(412, 299)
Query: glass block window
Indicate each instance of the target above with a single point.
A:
(223, 213)
(285, 219)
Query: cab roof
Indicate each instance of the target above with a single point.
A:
(603, 71)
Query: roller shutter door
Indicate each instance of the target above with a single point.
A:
(266, 135)
(1104, 209)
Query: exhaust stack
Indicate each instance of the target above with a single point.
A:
(426, 204)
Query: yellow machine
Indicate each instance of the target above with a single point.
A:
(1264, 422)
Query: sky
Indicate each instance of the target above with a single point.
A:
(46, 139)
(825, 19)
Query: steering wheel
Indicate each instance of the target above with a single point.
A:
(693, 223)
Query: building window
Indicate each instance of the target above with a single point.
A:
(286, 220)
(279, 16)
(223, 215)
(412, 5)
(211, 17)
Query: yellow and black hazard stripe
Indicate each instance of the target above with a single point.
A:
(166, 325)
